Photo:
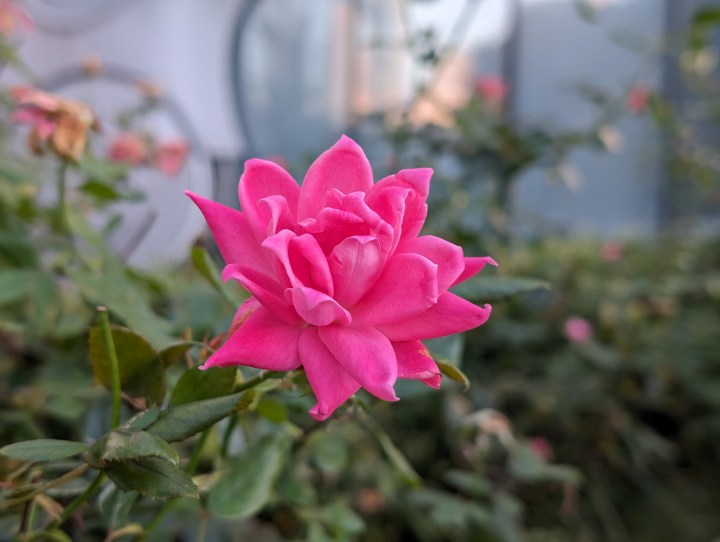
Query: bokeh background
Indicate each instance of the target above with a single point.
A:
(575, 141)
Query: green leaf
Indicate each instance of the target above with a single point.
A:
(525, 465)
(342, 520)
(141, 372)
(15, 284)
(329, 452)
(248, 484)
(496, 288)
(115, 505)
(152, 477)
(197, 385)
(207, 268)
(143, 420)
(470, 483)
(173, 353)
(182, 421)
(453, 373)
(43, 449)
(125, 445)
(102, 171)
(17, 250)
(111, 287)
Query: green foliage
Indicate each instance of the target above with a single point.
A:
(43, 449)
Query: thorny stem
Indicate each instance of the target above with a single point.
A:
(114, 366)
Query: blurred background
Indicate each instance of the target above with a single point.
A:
(575, 141)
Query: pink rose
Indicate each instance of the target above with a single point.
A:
(14, 19)
(170, 157)
(492, 89)
(637, 99)
(578, 330)
(611, 251)
(341, 283)
(128, 149)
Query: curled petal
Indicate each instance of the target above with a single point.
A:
(343, 166)
(366, 354)
(300, 260)
(317, 308)
(416, 363)
(451, 314)
(261, 179)
(474, 265)
(355, 264)
(406, 288)
(232, 234)
(331, 384)
(448, 257)
(268, 292)
(274, 211)
(263, 342)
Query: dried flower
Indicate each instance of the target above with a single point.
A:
(61, 122)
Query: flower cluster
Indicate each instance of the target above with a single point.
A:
(61, 123)
(341, 283)
(135, 149)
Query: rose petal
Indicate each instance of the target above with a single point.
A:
(366, 354)
(275, 213)
(331, 384)
(300, 260)
(448, 257)
(263, 342)
(232, 234)
(355, 265)
(343, 166)
(406, 288)
(261, 179)
(269, 293)
(317, 308)
(416, 363)
(451, 314)
(473, 265)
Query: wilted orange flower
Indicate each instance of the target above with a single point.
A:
(13, 18)
(170, 157)
(63, 123)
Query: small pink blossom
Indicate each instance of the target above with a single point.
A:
(612, 251)
(541, 448)
(637, 99)
(128, 149)
(578, 330)
(14, 19)
(170, 157)
(342, 285)
(492, 89)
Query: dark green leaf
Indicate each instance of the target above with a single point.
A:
(453, 373)
(329, 452)
(17, 250)
(125, 445)
(496, 288)
(342, 520)
(142, 420)
(115, 505)
(197, 385)
(15, 284)
(173, 353)
(247, 486)
(43, 449)
(141, 372)
(152, 477)
(182, 421)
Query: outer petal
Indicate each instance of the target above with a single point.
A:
(316, 308)
(474, 265)
(355, 265)
(343, 166)
(406, 288)
(451, 314)
(266, 290)
(261, 179)
(262, 341)
(415, 363)
(232, 234)
(366, 354)
(331, 384)
(448, 257)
